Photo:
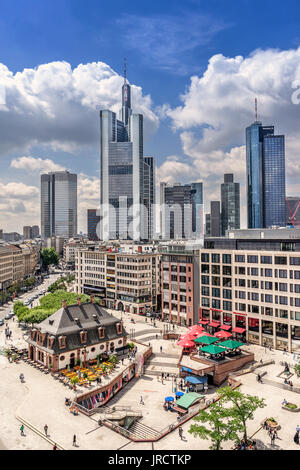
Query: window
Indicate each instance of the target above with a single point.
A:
(205, 291)
(252, 259)
(280, 260)
(297, 288)
(283, 273)
(226, 259)
(227, 294)
(268, 273)
(269, 298)
(215, 258)
(205, 268)
(297, 302)
(227, 305)
(296, 274)
(283, 300)
(216, 304)
(227, 282)
(205, 280)
(101, 332)
(241, 282)
(226, 270)
(254, 271)
(215, 292)
(283, 287)
(215, 281)
(239, 258)
(241, 271)
(295, 261)
(205, 302)
(215, 269)
(255, 296)
(266, 259)
(205, 257)
(62, 342)
(83, 336)
(269, 285)
(242, 294)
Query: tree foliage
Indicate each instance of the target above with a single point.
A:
(49, 257)
(220, 426)
(242, 407)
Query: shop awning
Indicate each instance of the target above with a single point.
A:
(188, 400)
(214, 324)
(196, 380)
(239, 330)
(225, 327)
(206, 340)
(186, 369)
(231, 344)
(203, 322)
(213, 349)
(223, 334)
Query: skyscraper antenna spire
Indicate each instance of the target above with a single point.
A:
(125, 70)
(255, 109)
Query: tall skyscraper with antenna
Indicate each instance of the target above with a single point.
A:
(124, 198)
(265, 157)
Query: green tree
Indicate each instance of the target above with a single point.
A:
(242, 407)
(220, 425)
(49, 257)
(297, 369)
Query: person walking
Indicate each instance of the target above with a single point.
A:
(161, 349)
(22, 430)
(296, 438)
(46, 430)
(180, 432)
(74, 440)
(142, 401)
(272, 438)
(54, 447)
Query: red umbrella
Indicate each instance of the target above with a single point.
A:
(223, 334)
(186, 343)
(196, 328)
(205, 334)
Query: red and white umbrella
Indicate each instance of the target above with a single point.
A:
(223, 334)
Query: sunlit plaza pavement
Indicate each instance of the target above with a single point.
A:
(40, 400)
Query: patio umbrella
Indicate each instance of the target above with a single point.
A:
(196, 328)
(179, 394)
(204, 333)
(206, 340)
(169, 399)
(186, 343)
(231, 344)
(223, 334)
(213, 349)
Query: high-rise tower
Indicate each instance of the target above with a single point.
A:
(265, 156)
(123, 199)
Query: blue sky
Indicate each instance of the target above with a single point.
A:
(166, 43)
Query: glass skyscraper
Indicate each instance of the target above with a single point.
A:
(59, 204)
(230, 204)
(265, 157)
(125, 175)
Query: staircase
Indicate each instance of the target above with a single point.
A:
(143, 432)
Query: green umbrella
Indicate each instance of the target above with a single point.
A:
(213, 349)
(206, 340)
(231, 344)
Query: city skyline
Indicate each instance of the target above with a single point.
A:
(57, 129)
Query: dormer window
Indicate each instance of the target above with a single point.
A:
(101, 332)
(62, 342)
(50, 341)
(33, 334)
(119, 328)
(83, 337)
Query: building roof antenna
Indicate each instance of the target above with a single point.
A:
(125, 70)
(256, 110)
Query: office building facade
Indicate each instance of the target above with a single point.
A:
(58, 204)
(215, 219)
(265, 157)
(124, 198)
(230, 204)
(93, 224)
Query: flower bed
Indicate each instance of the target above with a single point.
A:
(291, 407)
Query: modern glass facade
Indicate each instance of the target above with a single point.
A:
(265, 157)
(122, 165)
(92, 224)
(274, 181)
(197, 209)
(59, 204)
(230, 204)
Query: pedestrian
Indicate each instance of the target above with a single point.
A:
(74, 440)
(160, 349)
(46, 430)
(296, 438)
(156, 336)
(272, 438)
(22, 430)
(54, 447)
(122, 360)
(180, 432)
(142, 401)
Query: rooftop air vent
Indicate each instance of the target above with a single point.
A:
(76, 319)
(94, 315)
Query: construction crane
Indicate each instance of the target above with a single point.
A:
(292, 217)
